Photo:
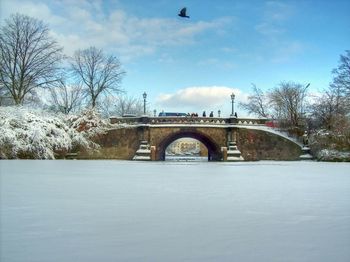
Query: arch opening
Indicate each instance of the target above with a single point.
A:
(186, 149)
(210, 150)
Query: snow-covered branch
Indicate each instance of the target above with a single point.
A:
(28, 133)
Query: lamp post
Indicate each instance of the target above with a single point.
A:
(144, 102)
(302, 100)
(219, 112)
(154, 113)
(233, 102)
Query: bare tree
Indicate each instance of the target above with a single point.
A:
(257, 103)
(97, 72)
(342, 75)
(128, 105)
(324, 110)
(288, 101)
(29, 57)
(5, 97)
(121, 105)
(340, 86)
(66, 98)
(331, 109)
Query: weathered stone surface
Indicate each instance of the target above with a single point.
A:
(262, 145)
(253, 144)
(144, 151)
(213, 138)
(115, 144)
(233, 154)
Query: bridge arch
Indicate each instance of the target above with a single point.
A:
(214, 150)
(253, 139)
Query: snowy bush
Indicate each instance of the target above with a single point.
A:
(28, 133)
(88, 122)
(333, 155)
(329, 145)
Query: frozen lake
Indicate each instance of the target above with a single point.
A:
(82, 211)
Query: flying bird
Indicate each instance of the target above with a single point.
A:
(183, 13)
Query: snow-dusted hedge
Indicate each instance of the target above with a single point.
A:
(88, 122)
(28, 133)
(330, 146)
(333, 155)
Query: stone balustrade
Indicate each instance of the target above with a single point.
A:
(187, 120)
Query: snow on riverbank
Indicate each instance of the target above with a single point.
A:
(85, 211)
(35, 134)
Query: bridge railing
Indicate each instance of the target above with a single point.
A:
(252, 121)
(187, 120)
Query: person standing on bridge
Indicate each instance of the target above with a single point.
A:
(204, 114)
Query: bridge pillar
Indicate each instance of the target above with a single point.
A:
(233, 153)
(224, 153)
(153, 153)
(233, 120)
(144, 133)
(144, 151)
(306, 151)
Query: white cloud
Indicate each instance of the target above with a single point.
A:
(229, 49)
(38, 10)
(269, 29)
(278, 11)
(275, 14)
(81, 23)
(215, 62)
(286, 51)
(200, 98)
(279, 48)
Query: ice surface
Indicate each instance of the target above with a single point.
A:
(82, 211)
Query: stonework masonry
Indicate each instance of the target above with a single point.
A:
(122, 143)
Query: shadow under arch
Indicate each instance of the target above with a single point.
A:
(214, 151)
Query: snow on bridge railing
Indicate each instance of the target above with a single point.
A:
(183, 120)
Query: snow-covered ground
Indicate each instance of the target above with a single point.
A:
(81, 211)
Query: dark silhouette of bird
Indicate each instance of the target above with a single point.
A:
(183, 13)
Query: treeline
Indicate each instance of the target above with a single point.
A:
(326, 116)
(294, 107)
(31, 61)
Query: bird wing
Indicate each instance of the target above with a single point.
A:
(183, 11)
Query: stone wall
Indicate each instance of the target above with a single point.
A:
(213, 137)
(254, 144)
(260, 145)
(115, 144)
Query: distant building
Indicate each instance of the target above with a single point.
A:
(186, 146)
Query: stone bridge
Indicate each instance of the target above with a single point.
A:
(227, 139)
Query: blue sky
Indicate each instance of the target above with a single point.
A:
(191, 65)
